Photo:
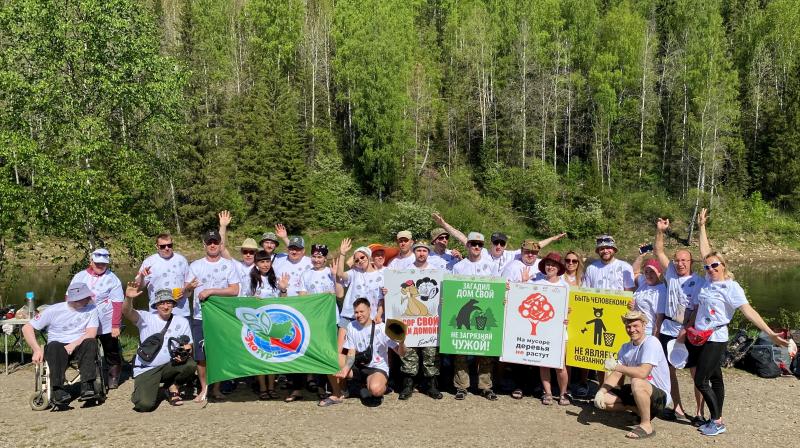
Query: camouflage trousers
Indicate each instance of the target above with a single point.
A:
(430, 361)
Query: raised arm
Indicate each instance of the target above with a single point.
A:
(705, 245)
(637, 269)
(131, 292)
(658, 247)
(450, 229)
(280, 231)
(345, 246)
(224, 219)
(547, 241)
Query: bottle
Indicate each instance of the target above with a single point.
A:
(30, 303)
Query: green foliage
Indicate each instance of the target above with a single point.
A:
(334, 193)
(410, 216)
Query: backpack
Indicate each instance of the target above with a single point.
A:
(760, 362)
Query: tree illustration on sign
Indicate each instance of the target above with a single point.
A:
(536, 309)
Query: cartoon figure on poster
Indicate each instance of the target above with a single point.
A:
(594, 325)
(534, 325)
(413, 296)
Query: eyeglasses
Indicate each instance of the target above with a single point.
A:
(165, 246)
(359, 258)
(475, 244)
(499, 243)
(443, 237)
(210, 242)
(403, 240)
(248, 252)
(571, 261)
(530, 252)
(713, 265)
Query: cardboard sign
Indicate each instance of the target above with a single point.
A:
(595, 328)
(413, 296)
(472, 316)
(534, 325)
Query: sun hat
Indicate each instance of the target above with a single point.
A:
(162, 295)
(420, 245)
(553, 257)
(249, 243)
(269, 236)
(530, 245)
(635, 315)
(437, 232)
(677, 354)
(605, 241)
(475, 236)
(389, 252)
(78, 291)
(101, 255)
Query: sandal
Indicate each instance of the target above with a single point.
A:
(460, 394)
(201, 398)
(489, 394)
(293, 397)
(174, 398)
(268, 394)
(639, 433)
(330, 401)
(564, 401)
(517, 394)
(547, 399)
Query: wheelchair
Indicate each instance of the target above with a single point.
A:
(41, 398)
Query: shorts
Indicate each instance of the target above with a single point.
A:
(361, 374)
(198, 339)
(658, 399)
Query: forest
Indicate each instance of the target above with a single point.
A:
(123, 118)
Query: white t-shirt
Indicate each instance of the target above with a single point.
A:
(295, 271)
(681, 296)
(503, 260)
(358, 338)
(398, 263)
(211, 275)
(485, 266)
(150, 324)
(444, 262)
(107, 289)
(648, 352)
(616, 275)
(513, 271)
(362, 284)
(316, 282)
(543, 281)
(266, 290)
(650, 300)
(65, 324)
(167, 273)
(715, 307)
(243, 271)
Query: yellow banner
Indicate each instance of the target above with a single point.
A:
(595, 326)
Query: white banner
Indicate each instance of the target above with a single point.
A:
(534, 332)
(413, 296)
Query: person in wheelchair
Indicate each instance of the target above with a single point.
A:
(71, 331)
(169, 363)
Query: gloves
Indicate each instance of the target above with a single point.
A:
(610, 364)
(600, 399)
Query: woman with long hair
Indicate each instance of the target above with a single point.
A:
(573, 263)
(264, 284)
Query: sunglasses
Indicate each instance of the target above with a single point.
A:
(210, 242)
(443, 237)
(530, 252)
(359, 258)
(713, 265)
(499, 243)
(403, 240)
(475, 244)
(165, 246)
(248, 252)
(571, 261)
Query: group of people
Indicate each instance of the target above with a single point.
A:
(671, 302)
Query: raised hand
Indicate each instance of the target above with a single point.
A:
(132, 289)
(280, 231)
(224, 218)
(334, 266)
(526, 274)
(345, 246)
(283, 282)
(437, 218)
(662, 225)
(702, 217)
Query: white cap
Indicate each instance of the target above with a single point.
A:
(475, 236)
(101, 256)
(78, 291)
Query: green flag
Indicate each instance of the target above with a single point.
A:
(472, 316)
(247, 336)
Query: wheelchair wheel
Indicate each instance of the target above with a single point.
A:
(39, 401)
(100, 382)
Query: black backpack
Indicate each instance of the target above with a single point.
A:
(760, 362)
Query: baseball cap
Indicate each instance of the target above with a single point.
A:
(162, 295)
(211, 235)
(499, 236)
(654, 265)
(101, 256)
(249, 243)
(437, 232)
(404, 234)
(271, 237)
(297, 241)
(475, 236)
(78, 291)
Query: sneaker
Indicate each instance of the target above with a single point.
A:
(581, 390)
(713, 429)
(60, 397)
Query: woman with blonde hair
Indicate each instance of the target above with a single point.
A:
(573, 263)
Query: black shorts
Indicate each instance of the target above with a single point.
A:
(361, 374)
(198, 340)
(658, 399)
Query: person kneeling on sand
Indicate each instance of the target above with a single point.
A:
(643, 361)
(367, 351)
(170, 363)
